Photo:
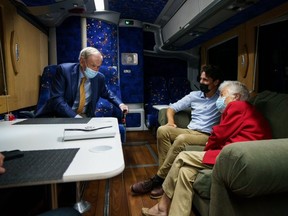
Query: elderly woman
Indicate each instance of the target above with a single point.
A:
(240, 121)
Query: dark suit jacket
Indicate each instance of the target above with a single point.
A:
(64, 90)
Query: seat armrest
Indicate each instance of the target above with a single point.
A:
(181, 118)
(202, 183)
(253, 168)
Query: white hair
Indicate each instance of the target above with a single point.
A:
(235, 87)
(87, 51)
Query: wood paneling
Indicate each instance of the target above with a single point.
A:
(23, 73)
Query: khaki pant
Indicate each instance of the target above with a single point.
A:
(178, 184)
(171, 141)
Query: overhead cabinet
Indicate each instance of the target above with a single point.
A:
(196, 17)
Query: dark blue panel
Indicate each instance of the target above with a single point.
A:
(38, 2)
(104, 107)
(45, 85)
(170, 67)
(156, 92)
(143, 10)
(69, 40)
(178, 87)
(148, 40)
(133, 120)
(165, 82)
(131, 41)
(103, 36)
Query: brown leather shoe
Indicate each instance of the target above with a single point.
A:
(143, 187)
(157, 192)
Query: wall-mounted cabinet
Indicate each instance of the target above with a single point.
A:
(196, 17)
(25, 53)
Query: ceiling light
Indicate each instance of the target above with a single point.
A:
(99, 4)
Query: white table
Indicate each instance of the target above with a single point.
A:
(87, 164)
(159, 107)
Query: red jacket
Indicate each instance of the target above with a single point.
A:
(240, 121)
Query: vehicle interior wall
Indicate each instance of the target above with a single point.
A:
(111, 42)
(99, 34)
(248, 69)
(105, 36)
(25, 53)
(131, 64)
(22, 86)
(68, 40)
(173, 69)
(167, 69)
(118, 46)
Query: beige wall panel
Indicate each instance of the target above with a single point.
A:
(30, 68)
(22, 80)
(8, 12)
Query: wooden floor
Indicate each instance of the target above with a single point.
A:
(113, 197)
(140, 155)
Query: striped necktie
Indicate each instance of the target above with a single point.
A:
(82, 96)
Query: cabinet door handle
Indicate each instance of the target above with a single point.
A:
(15, 52)
(244, 61)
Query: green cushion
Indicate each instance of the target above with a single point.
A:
(254, 168)
(202, 184)
(182, 118)
(274, 107)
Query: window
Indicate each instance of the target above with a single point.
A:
(273, 57)
(225, 55)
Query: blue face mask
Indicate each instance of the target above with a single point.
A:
(89, 73)
(220, 103)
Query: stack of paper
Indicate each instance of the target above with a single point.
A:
(88, 132)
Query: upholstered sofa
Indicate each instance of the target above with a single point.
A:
(249, 178)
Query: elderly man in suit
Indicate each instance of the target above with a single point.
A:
(73, 78)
